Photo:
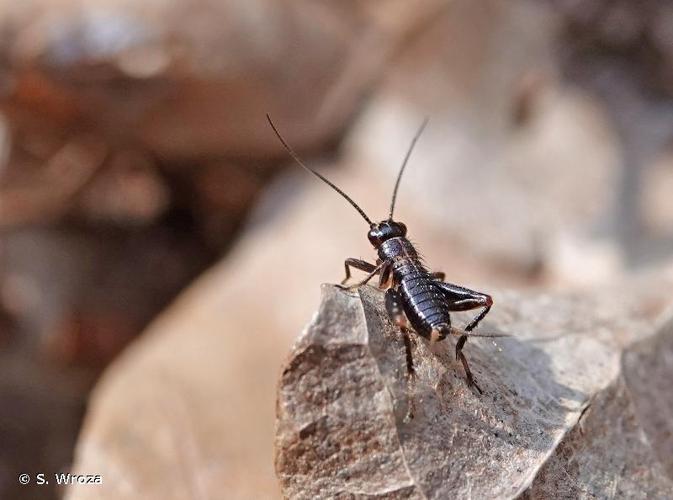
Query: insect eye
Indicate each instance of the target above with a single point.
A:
(374, 236)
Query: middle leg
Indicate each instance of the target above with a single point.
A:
(395, 310)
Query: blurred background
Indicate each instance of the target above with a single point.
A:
(159, 253)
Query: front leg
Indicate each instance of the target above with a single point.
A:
(362, 265)
(381, 268)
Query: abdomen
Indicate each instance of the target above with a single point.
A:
(424, 303)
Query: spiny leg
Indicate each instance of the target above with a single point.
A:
(362, 265)
(461, 356)
(441, 333)
(464, 299)
(393, 302)
(487, 307)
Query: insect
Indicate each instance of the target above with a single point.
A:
(414, 296)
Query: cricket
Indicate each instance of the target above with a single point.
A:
(415, 298)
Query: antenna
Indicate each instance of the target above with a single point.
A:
(296, 158)
(404, 164)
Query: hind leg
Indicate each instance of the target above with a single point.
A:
(464, 299)
(461, 356)
(440, 334)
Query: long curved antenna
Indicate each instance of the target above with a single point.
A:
(296, 158)
(404, 164)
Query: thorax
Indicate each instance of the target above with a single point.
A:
(397, 249)
(405, 260)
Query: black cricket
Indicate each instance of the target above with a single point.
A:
(414, 295)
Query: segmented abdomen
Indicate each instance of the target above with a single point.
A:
(424, 303)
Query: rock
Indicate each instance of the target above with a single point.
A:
(218, 349)
(192, 79)
(648, 367)
(555, 404)
(630, 422)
